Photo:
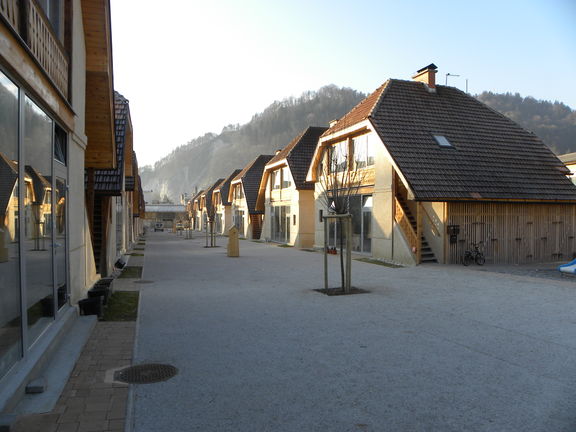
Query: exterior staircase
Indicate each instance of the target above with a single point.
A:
(427, 256)
(256, 221)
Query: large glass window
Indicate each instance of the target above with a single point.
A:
(339, 157)
(37, 217)
(10, 316)
(363, 151)
(286, 178)
(60, 242)
(360, 207)
(275, 179)
(281, 224)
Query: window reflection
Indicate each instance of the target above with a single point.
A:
(38, 218)
(10, 316)
(60, 242)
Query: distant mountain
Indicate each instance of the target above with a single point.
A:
(205, 159)
(212, 156)
(553, 122)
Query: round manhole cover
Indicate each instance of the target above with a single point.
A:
(145, 373)
(144, 281)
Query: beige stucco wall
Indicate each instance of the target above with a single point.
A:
(240, 204)
(434, 230)
(387, 244)
(301, 215)
(82, 269)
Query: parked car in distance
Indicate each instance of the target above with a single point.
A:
(158, 226)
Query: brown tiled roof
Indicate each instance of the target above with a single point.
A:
(360, 112)
(251, 176)
(224, 187)
(492, 157)
(109, 182)
(299, 154)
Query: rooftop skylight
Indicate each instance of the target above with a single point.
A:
(442, 141)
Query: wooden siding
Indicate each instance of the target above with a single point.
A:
(10, 10)
(101, 149)
(514, 233)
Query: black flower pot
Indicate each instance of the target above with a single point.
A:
(91, 306)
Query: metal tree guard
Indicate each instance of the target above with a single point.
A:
(347, 219)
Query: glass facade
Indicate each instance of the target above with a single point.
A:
(360, 207)
(33, 222)
(10, 309)
(280, 217)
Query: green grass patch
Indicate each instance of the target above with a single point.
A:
(373, 261)
(285, 245)
(122, 306)
(133, 272)
(137, 254)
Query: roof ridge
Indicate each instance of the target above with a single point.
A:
(376, 105)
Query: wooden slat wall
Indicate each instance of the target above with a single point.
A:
(10, 10)
(514, 233)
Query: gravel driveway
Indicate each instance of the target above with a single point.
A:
(431, 348)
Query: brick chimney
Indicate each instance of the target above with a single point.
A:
(427, 75)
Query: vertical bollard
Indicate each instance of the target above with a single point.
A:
(233, 242)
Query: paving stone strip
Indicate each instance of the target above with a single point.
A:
(88, 403)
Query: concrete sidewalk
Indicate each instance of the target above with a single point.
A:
(430, 348)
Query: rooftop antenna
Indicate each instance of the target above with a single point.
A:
(449, 74)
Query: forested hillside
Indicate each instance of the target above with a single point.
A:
(209, 157)
(205, 159)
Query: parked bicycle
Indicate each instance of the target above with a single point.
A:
(474, 255)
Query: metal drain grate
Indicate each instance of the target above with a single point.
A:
(145, 373)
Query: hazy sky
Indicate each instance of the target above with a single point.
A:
(189, 67)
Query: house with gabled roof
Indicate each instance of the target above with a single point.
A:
(243, 194)
(448, 171)
(223, 205)
(285, 196)
(206, 203)
(195, 210)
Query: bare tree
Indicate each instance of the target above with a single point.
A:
(210, 219)
(339, 180)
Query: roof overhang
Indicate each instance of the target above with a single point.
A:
(101, 149)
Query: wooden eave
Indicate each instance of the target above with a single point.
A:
(128, 148)
(260, 201)
(231, 189)
(101, 149)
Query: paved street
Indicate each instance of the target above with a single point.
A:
(432, 348)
